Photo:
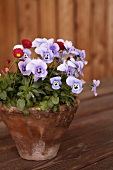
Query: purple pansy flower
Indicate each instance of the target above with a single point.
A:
(70, 71)
(22, 66)
(27, 54)
(55, 49)
(38, 68)
(95, 84)
(82, 55)
(56, 82)
(65, 68)
(68, 44)
(75, 84)
(38, 42)
(47, 56)
(76, 64)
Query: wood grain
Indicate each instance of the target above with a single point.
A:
(95, 105)
(66, 12)
(83, 32)
(109, 63)
(28, 19)
(48, 18)
(98, 44)
(102, 90)
(103, 164)
(8, 30)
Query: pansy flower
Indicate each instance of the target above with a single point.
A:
(55, 49)
(56, 82)
(60, 42)
(65, 68)
(27, 54)
(70, 71)
(38, 68)
(68, 45)
(39, 42)
(8, 61)
(26, 43)
(6, 69)
(75, 84)
(18, 53)
(78, 65)
(81, 55)
(47, 56)
(22, 66)
(95, 84)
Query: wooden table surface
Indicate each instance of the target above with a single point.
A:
(87, 145)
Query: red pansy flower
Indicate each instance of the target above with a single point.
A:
(8, 61)
(26, 43)
(18, 53)
(61, 45)
(6, 69)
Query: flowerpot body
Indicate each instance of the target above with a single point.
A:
(38, 135)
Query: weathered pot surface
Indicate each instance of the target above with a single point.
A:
(38, 136)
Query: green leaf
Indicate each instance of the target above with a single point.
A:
(26, 112)
(35, 92)
(4, 85)
(55, 94)
(73, 98)
(62, 94)
(8, 104)
(41, 91)
(28, 96)
(20, 94)
(44, 105)
(50, 104)
(9, 89)
(36, 85)
(29, 103)
(13, 103)
(38, 91)
(3, 95)
(20, 104)
(22, 88)
(55, 108)
(68, 102)
(34, 100)
(55, 100)
(48, 88)
(25, 81)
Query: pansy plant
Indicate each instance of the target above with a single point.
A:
(46, 80)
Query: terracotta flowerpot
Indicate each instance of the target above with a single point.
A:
(38, 136)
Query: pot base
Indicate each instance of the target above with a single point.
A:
(39, 152)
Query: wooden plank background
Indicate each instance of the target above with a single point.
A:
(87, 23)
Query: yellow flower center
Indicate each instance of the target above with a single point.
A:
(6, 69)
(18, 55)
(56, 83)
(46, 57)
(39, 70)
(75, 86)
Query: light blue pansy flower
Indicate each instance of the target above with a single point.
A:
(75, 84)
(22, 67)
(56, 82)
(38, 68)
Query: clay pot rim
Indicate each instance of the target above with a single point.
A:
(63, 108)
